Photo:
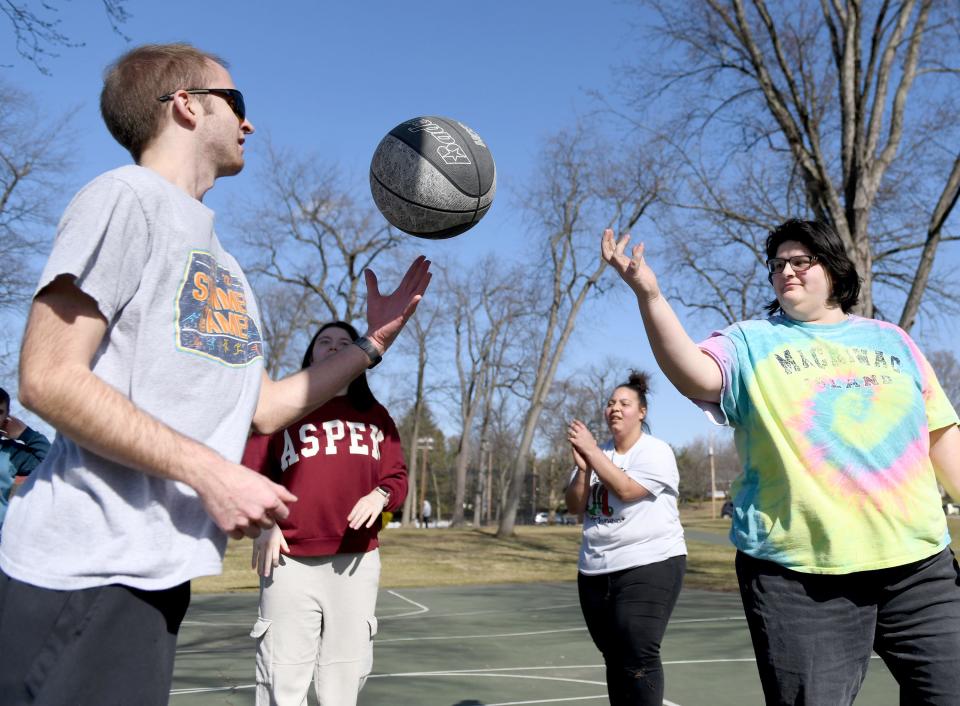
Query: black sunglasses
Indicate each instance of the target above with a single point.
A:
(232, 96)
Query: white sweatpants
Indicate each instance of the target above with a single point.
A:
(317, 620)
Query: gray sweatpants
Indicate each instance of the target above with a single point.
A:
(317, 620)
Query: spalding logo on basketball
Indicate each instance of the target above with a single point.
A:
(433, 177)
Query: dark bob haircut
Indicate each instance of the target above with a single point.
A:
(358, 391)
(822, 241)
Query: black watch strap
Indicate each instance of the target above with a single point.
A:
(371, 350)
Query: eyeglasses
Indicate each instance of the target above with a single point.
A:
(798, 263)
(232, 96)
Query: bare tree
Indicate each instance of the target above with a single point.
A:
(947, 368)
(553, 474)
(496, 435)
(844, 111)
(486, 307)
(37, 28)
(311, 236)
(422, 327)
(285, 320)
(9, 350)
(583, 395)
(582, 186)
(313, 233)
(502, 428)
(33, 160)
(569, 399)
(693, 463)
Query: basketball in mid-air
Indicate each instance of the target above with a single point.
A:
(433, 177)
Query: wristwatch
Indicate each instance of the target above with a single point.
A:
(367, 347)
(384, 492)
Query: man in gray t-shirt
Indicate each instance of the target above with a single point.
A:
(143, 349)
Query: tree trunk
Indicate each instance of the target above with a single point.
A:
(552, 352)
(945, 205)
(409, 509)
(463, 460)
(511, 494)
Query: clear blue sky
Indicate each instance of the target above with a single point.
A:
(332, 77)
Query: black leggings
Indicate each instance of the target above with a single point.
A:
(627, 613)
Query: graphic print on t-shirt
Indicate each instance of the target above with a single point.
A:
(212, 318)
(598, 506)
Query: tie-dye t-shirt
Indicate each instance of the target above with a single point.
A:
(831, 424)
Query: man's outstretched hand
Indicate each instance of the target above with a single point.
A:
(387, 315)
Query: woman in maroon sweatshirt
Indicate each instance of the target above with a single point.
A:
(345, 464)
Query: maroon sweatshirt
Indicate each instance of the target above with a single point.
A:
(330, 459)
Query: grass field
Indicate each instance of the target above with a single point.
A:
(535, 554)
(456, 557)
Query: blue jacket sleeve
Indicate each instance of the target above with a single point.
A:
(28, 451)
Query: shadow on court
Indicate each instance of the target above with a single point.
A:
(493, 646)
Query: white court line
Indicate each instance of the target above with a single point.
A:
(569, 698)
(554, 701)
(731, 659)
(499, 672)
(554, 667)
(558, 606)
(447, 672)
(482, 673)
(706, 620)
(207, 690)
(180, 692)
(475, 637)
(711, 661)
(423, 608)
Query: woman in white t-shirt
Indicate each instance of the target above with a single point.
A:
(633, 556)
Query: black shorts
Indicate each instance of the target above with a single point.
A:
(105, 645)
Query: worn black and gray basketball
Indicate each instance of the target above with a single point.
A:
(433, 177)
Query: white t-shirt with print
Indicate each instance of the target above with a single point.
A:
(620, 535)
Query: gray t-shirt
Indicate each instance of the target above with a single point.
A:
(183, 344)
(620, 535)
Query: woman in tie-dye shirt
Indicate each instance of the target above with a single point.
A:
(843, 432)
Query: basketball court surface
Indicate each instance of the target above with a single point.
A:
(493, 646)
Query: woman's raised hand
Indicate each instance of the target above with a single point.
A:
(631, 267)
